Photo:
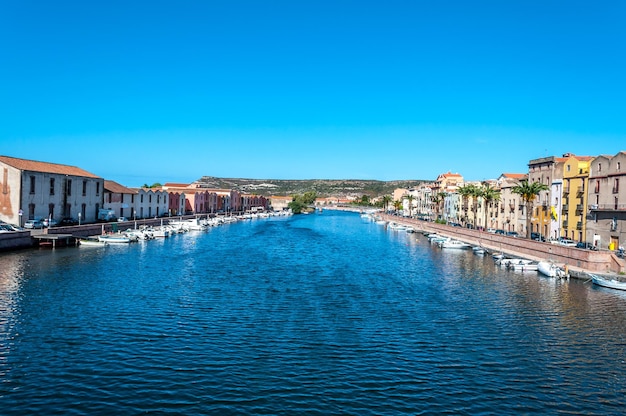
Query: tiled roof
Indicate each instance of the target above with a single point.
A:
(116, 188)
(514, 175)
(46, 167)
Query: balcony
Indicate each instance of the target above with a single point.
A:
(566, 190)
(580, 190)
(565, 224)
(579, 209)
(565, 208)
(579, 225)
(607, 207)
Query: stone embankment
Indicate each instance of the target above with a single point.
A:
(578, 261)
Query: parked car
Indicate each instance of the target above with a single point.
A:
(586, 246)
(49, 222)
(537, 237)
(32, 224)
(122, 219)
(512, 234)
(499, 232)
(566, 242)
(68, 221)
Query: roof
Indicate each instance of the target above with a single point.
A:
(46, 167)
(514, 175)
(116, 188)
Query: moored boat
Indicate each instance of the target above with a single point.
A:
(550, 269)
(454, 244)
(605, 282)
(114, 239)
(91, 242)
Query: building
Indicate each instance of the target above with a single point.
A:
(545, 215)
(448, 183)
(511, 214)
(32, 189)
(606, 220)
(150, 203)
(574, 198)
(119, 198)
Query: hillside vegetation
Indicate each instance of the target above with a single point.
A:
(323, 187)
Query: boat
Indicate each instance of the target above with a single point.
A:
(396, 226)
(481, 251)
(114, 239)
(550, 269)
(454, 244)
(610, 283)
(91, 242)
(522, 265)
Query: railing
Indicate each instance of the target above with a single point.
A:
(579, 225)
(607, 207)
(565, 208)
(565, 224)
(579, 208)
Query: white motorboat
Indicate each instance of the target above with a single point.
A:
(92, 242)
(454, 244)
(605, 282)
(114, 239)
(524, 266)
(478, 250)
(550, 269)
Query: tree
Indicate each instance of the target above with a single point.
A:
(397, 204)
(474, 192)
(489, 195)
(528, 192)
(465, 192)
(438, 200)
(386, 200)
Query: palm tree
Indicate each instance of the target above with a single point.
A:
(489, 195)
(397, 205)
(410, 198)
(386, 201)
(528, 192)
(474, 192)
(437, 200)
(465, 192)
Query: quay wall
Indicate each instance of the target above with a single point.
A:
(589, 260)
(15, 240)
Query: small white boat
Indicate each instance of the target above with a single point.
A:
(478, 250)
(523, 266)
(91, 242)
(396, 226)
(550, 269)
(114, 239)
(610, 283)
(454, 244)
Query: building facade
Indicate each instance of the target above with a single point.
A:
(35, 190)
(606, 218)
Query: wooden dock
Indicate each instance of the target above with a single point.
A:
(54, 240)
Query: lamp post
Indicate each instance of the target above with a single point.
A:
(79, 216)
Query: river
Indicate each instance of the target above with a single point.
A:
(311, 314)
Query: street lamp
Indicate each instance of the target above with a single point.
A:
(79, 215)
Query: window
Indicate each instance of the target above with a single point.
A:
(51, 186)
(618, 167)
(141, 199)
(69, 187)
(616, 186)
(97, 188)
(84, 188)
(597, 187)
(132, 198)
(150, 199)
(32, 184)
(31, 211)
(83, 210)
(50, 210)
(568, 168)
(599, 167)
(158, 199)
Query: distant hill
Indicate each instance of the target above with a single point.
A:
(323, 187)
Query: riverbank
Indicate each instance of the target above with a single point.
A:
(577, 261)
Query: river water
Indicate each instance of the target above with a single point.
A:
(311, 314)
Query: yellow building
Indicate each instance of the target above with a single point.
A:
(575, 186)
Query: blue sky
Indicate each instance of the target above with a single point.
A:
(162, 91)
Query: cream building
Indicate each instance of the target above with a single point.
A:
(31, 189)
